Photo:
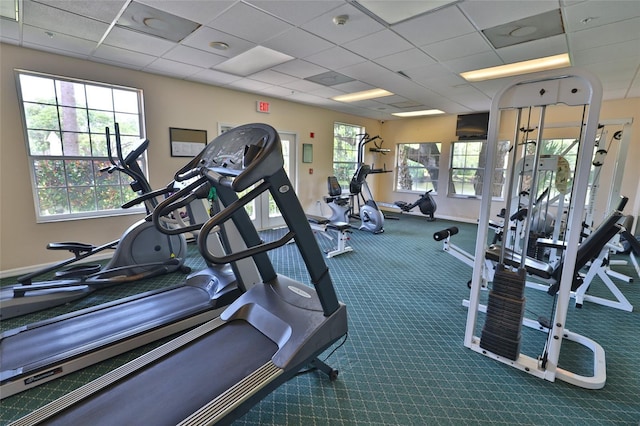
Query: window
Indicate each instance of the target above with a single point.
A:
(467, 168)
(345, 151)
(418, 166)
(64, 121)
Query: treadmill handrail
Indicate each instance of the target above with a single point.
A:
(225, 215)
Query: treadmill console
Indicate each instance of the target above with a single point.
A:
(249, 153)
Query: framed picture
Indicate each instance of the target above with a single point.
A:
(307, 153)
(186, 142)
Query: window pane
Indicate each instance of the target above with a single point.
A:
(53, 201)
(109, 197)
(99, 120)
(79, 172)
(99, 98)
(38, 116)
(82, 199)
(76, 144)
(43, 142)
(37, 89)
(128, 123)
(125, 101)
(74, 119)
(49, 173)
(71, 94)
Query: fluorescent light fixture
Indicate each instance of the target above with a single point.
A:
(418, 113)
(361, 96)
(517, 68)
(253, 60)
(396, 11)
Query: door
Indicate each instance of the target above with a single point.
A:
(263, 210)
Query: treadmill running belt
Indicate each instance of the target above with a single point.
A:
(37, 346)
(166, 392)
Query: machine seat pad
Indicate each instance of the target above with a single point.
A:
(318, 220)
(511, 258)
(71, 246)
(340, 226)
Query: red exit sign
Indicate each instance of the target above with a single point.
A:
(262, 106)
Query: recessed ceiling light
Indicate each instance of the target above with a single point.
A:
(361, 96)
(418, 113)
(148, 20)
(219, 45)
(517, 68)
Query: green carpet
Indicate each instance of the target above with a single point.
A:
(404, 362)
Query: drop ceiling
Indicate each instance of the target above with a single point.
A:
(414, 49)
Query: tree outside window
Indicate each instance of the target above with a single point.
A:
(467, 171)
(64, 122)
(418, 166)
(345, 151)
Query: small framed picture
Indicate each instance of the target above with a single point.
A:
(186, 142)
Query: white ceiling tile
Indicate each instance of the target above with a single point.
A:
(298, 43)
(327, 92)
(58, 21)
(214, 77)
(249, 23)
(191, 56)
(378, 44)
(272, 77)
(198, 11)
(428, 72)
(605, 34)
(248, 84)
(472, 62)
(457, 47)
(133, 40)
(358, 25)
(335, 57)
(592, 14)
(123, 56)
(490, 13)
(9, 30)
(301, 85)
(296, 13)
(534, 49)
(173, 68)
(61, 43)
(299, 68)
(201, 38)
(432, 27)
(277, 91)
(407, 60)
(629, 50)
(104, 10)
(363, 70)
(634, 90)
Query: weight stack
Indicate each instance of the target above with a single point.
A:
(505, 310)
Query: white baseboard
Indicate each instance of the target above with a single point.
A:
(29, 269)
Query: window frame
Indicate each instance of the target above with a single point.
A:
(433, 171)
(96, 142)
(350, 165)
(480, 161)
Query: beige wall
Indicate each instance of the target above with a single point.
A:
(168, 103)
(176, 103)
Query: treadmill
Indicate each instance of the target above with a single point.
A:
(37, 353)
(215, 373)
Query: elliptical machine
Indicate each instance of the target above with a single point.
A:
(141, 252)
(371, 217)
